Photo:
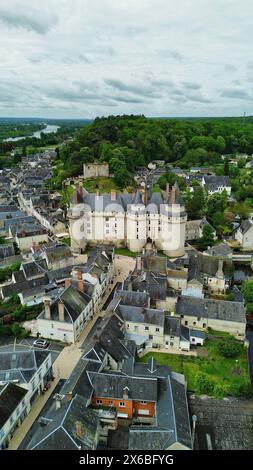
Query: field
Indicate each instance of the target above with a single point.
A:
(231, 372)
(124, 252)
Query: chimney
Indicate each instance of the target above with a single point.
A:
(67, 283)
(61, 310)
(167, 191)
(113, 195)
(47, 307)
(80, 284)
(69, 396)
(173, 195)
(79, 429)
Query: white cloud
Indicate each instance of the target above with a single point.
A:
(82, 58)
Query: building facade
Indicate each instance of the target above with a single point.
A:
(129, 220)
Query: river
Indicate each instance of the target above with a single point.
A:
(50, 128)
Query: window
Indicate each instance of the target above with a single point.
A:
(110, 402)
(143, 402)
(182, 316)
(204, 325)
(186, 322)
(172, 337)
(99, 402)
(107, 231)
(194, 323)
(122, 404)
(171, 345)
(193, 340)
(146, 328)
(157, 329)
(167, 342)
(11, 419)
(150, 336)
(136, 328)
(107, 219)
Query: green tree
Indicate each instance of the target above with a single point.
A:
(247, 291)
(207, 238)
(229, 347)
(226, 167)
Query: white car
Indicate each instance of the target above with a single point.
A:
(40, 343)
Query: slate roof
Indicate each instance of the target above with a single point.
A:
(6, 250)
(210, 308)
(10, 397)
(221, 250)
(137, 315)
(172, 326)
(74, 301)
(246, 226)
(60, 433)
(200, 264)
(217, 180)
(135, 299)
(112, 385)
(20, 365)
(33, 269)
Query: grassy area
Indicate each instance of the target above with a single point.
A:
(102, 183)
(124, 252)
(66, 241)
(212, 332)
(219, 369)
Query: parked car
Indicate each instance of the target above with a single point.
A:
(40, 343)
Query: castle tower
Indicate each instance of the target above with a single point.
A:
(136, 224)
(76, 222)
(173, 220)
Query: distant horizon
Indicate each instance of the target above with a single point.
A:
(43, 118)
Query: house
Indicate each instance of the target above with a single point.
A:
(27, 234)
(6, 251)
(194, 229)
(244, 235)
(23, 375)
(57, 255)
(65, 318)
(219, 315)
(213, 272)
(12, 411)
(70, 425)
(222, 250)
(153, 398)
(216, 184)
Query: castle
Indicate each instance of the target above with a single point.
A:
(131, 220)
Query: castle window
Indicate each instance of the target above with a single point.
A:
(107, 219)
(107, 231)
(146, 327)
(137, 237)
(157, 330)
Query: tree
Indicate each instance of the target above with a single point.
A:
(226, 167)
(195, 203)
(203, 383)
(229, 347)
(247, 291)
(207, 238)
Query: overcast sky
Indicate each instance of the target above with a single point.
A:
(87, 58)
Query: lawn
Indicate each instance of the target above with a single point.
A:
(231, 372)
(102, 183)
(125, 252)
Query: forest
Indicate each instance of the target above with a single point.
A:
(131, 141)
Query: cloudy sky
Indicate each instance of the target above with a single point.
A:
(85, 58)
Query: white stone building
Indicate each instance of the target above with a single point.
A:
(23, 375)
(128, 220)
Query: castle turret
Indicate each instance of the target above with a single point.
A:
(136, 224)
(173, 220)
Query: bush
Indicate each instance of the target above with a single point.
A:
(220, 390)
(203, 384)
(229, 347)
